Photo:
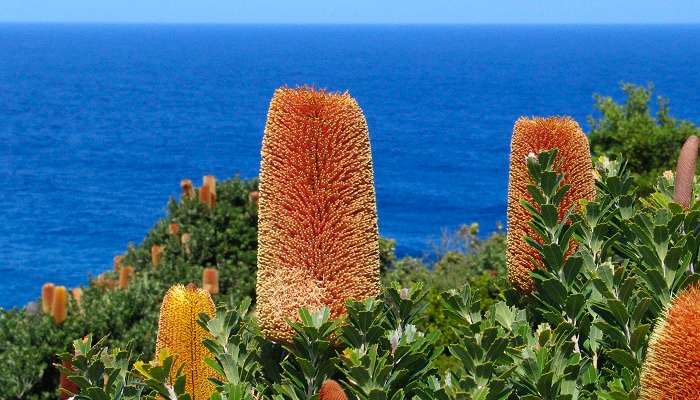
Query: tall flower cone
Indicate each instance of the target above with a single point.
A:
(331, 390)
(205, 195)
(210, 182)
(118, 262)
(573, 159)
(47, 297)
(77, 295)
(181, 335)
(317, 237)
(156, 255)
(173, 229)
(59, 305)
(125, 275)
(187, 189)
(210, 280)
(685, 172)
(672, 365)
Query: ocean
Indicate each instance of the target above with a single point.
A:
(98, 123)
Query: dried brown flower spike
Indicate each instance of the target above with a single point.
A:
(210, 280)
(685, 171)
(573, 159)
(317, 236)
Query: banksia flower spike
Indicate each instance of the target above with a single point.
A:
(47, 297)
(59, 305)
(573, 160)
(331, 390)
(672, 365)
(187, 189)
(181, 335)
(118, 262)
(207, 194)
(173, 229)
(185, 241)
(156, 255)
(317, 235)
(125, 275)
(253, 197)
(77, 295)
(210, 280)
(685, 172)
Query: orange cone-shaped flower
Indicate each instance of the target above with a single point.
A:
(210, 280)
(156, 255)
(253, 197)
(317, 231)
(179, 332)
(205, 195)
(77, 295)
(672, 365)
(125, 275)
(59, 305)
(47, 297)
(573, 159)
(173, 229)
(331, 390)
(118, 262)
(187, 189)
(685, 172)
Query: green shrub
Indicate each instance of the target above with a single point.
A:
(582, 334)
(650, 142)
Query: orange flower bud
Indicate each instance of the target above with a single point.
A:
(672, 364)
(318, 239)
(59, 305)
(156, 255)
(47, 297)
(573, 159)
(210, 280)
(207, 194)
(331, 390)
(187, 189)
(125, 276)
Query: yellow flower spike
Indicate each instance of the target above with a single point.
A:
(180, 335)
(318, 243)
(532, 136)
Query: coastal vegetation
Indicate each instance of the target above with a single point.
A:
(593, 312)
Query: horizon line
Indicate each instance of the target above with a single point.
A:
(29, 22)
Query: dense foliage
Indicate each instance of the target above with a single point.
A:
(582, 334)
(224, 237)
(650, 141)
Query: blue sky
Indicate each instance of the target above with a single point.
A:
(353, 11)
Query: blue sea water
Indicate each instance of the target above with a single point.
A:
(98, 123)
